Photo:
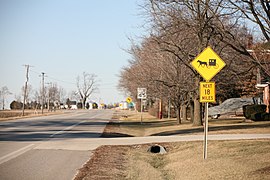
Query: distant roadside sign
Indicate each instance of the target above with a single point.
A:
(141, 93)
(207, 92)
(129, 100)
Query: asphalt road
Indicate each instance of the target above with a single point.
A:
(22, 155)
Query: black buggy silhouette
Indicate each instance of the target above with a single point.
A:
(211, 63)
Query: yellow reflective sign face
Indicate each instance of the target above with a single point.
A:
(129, 100)
(207, 92)
(208, 63)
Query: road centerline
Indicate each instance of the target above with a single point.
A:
(71, 127)
(67, 128)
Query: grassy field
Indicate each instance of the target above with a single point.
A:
(245, 159)
(14, 114)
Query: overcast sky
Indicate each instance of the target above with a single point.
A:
(64, 38)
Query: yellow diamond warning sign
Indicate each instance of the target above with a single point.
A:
(129, 100)
(207, 92)
(208, 63)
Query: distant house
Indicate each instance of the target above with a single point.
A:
(123, 105)
(62, 106)
(265, 93)
(262, 55)
(71, 105)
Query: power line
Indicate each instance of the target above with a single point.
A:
(73, 83)
(53, 78)
(34, 72)
(63, 81)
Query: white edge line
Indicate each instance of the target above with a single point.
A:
(16, 153)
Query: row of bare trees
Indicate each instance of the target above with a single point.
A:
(52, 94)
(4, 92)
(178, 31)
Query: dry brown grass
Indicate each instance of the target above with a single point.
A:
(226, 160)
(127, 123)
(108, 162)
(15, 114)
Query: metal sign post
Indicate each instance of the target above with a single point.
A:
(141, 111)
(141, 94)
(205, 132)
(207, 94)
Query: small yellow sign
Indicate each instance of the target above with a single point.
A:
(129, 100)
(207, 92)
(208, 63)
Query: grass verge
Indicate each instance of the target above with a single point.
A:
(248, 159)
(128, 124)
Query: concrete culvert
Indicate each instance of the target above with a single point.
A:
(157, 149)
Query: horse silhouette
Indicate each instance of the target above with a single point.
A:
(202, 63)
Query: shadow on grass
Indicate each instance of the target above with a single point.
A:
(114, 135)
(212, 129)
(145, 124)
(223, 126)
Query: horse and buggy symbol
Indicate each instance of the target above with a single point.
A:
(209, 64)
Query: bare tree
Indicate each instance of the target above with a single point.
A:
(3, 94)
(179, 31)
(53, 92)
(18, 98)
(160, 72)
(183, 29)
(27, 94)
(86, 86)
(62, 95)
(257, 12)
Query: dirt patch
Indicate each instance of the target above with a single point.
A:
(107, 162)
(265, 170)
(112, 130)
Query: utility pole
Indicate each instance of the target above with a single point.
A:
(25, 87)
(42, 94)
(49, 87)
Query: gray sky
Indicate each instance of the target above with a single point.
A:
(64, 38)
